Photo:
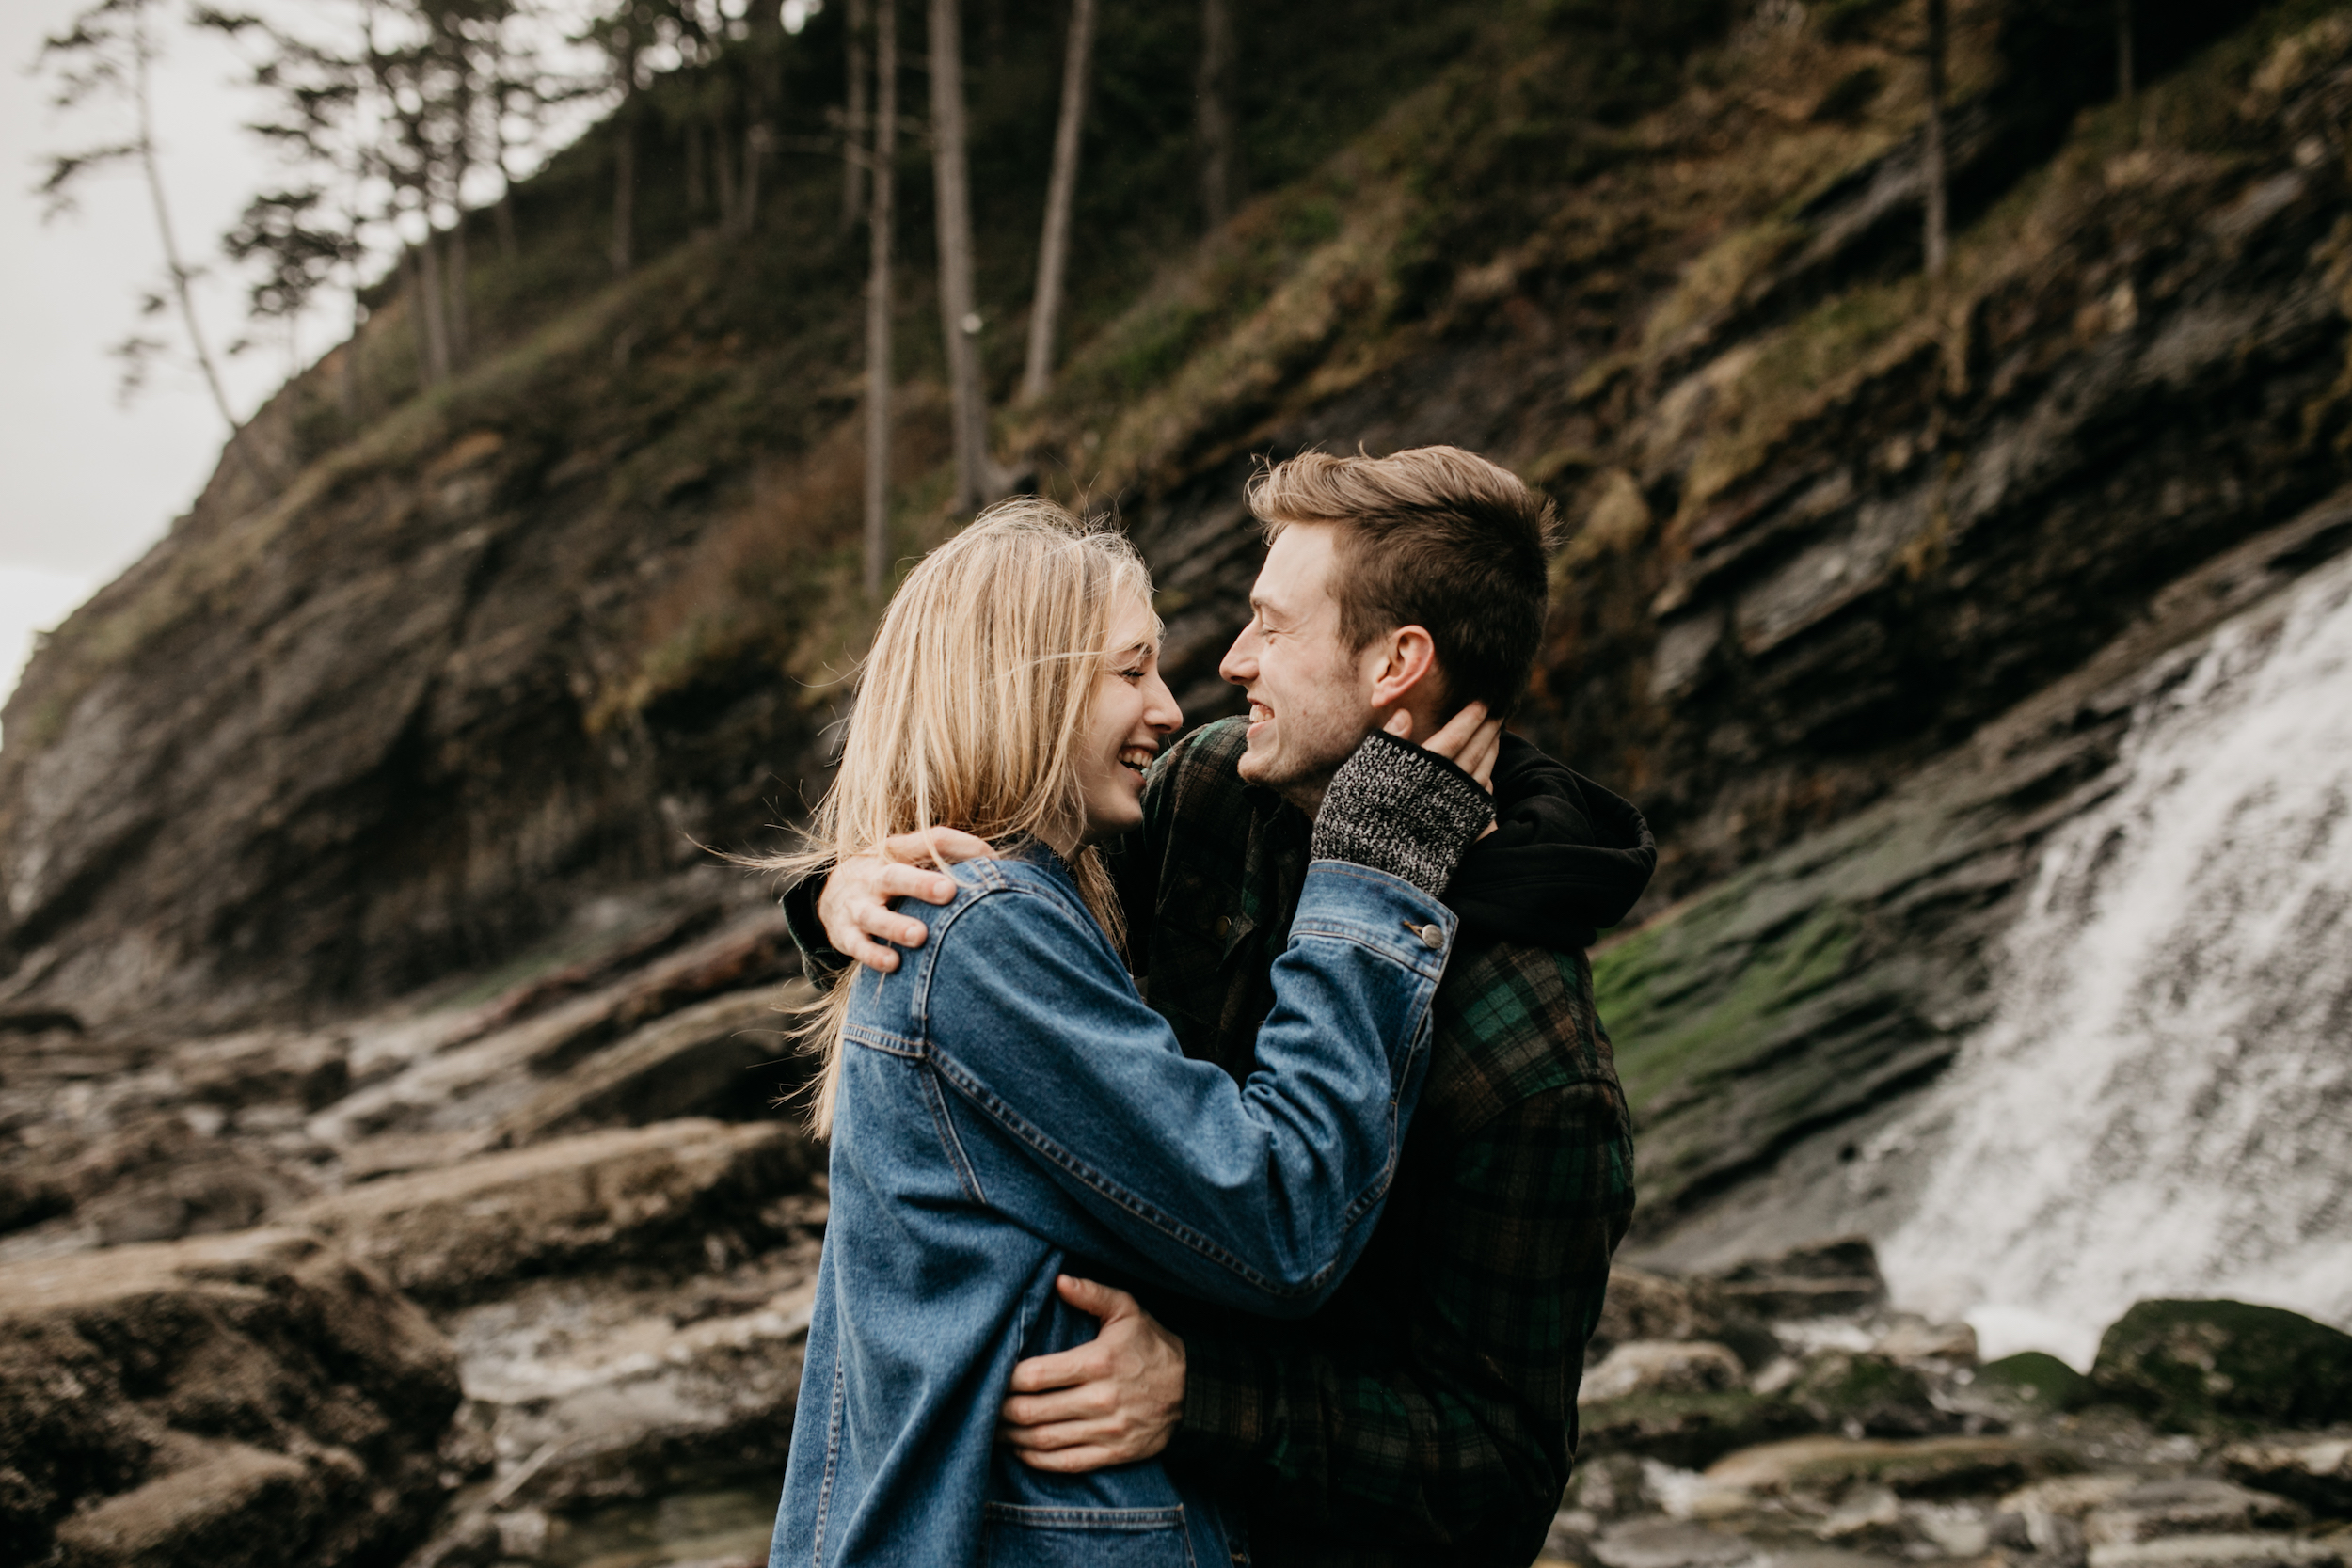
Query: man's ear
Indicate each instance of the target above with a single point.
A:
(1403, 665)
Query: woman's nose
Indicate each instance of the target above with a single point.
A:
(1162, 713)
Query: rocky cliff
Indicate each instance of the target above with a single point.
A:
(365, 950)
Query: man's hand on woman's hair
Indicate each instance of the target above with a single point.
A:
(854, 906)
(1111, 1402)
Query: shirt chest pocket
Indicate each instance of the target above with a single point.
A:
(1015, 1535)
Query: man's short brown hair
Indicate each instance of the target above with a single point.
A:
(1434, 537)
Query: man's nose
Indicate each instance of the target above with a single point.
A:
(1240, 663)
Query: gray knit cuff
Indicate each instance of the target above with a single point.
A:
(1397, 808)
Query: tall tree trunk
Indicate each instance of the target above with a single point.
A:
(959, 316)
(424, 298)
(764, 64)
(723, 165)
(696, 192)
(1213, 91)
(460, 326)
(853, 138)
(347, 371)
(2126, 82)
(758, 150)
(1938, 184)
(181, 276)
(1061, 192)
(622, 250)
(882, 169)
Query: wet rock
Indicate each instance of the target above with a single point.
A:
(2185, 1505)
(2317, 1475)
(248, 1400)
(265, 1067)
(1819, 1280)
(1955, 1529)
(1912, 1339)
(2194, 1364)
(1687, 1430)
(700, 1061)
(1923, 1468)
(1660, 1366)
(673, 1188)
(2033, 1379)
(1642, 1305)
(1606, 1485)
(592, 1393)
(1865, 1513)
(1669, 1544)
(2225, 1551)
(452, 1077)
(1864, 1395)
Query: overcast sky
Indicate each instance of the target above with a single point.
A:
(89, 483)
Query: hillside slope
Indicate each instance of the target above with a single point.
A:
(541, 633)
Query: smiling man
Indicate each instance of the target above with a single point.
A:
(1427, 1414)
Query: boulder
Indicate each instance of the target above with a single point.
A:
(2033, 1379)
(673, 1188)
(1661, 1367)
(1669, 1544)
(1641, 1306)
(2185, 1505)
(1685, 1430)
(2317, 1475)
(1866, 1395)
(1910, 1337)
(2192, 1364)
(251, 1400)
(1923, 1468)
(2226, 1551)
(1823, 1280)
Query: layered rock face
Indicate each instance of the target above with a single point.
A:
(428, 1285)
(375, 1019)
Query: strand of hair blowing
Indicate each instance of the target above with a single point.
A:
(968, 712)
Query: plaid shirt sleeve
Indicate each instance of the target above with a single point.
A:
(1463, 1431)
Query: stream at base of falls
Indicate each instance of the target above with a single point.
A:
(2161, 1101)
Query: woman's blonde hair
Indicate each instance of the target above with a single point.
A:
(970, 710)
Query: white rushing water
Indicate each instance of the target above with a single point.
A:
(2161, 1104)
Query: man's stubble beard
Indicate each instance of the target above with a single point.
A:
(1309, 757)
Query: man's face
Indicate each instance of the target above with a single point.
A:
(1309, 700)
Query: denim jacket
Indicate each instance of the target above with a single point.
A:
(1010, 1109)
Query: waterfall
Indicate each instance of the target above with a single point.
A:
(2161, 1101)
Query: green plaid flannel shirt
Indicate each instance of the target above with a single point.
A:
(1427, 1412)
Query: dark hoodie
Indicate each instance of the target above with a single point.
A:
(1566, 859)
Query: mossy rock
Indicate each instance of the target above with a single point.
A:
(1690, 1431)
(1866, 1395)
(2035, 1378)
(2199, 1365)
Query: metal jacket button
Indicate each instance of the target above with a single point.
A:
(1224, 924)
(1433, 935)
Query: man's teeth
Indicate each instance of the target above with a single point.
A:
(1259, 713)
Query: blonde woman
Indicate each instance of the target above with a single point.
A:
(1005, 1106)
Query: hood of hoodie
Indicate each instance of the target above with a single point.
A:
(1566, 859)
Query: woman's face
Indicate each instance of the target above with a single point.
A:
(1134, 713)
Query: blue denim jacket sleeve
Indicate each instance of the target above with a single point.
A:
(1259, 1196)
